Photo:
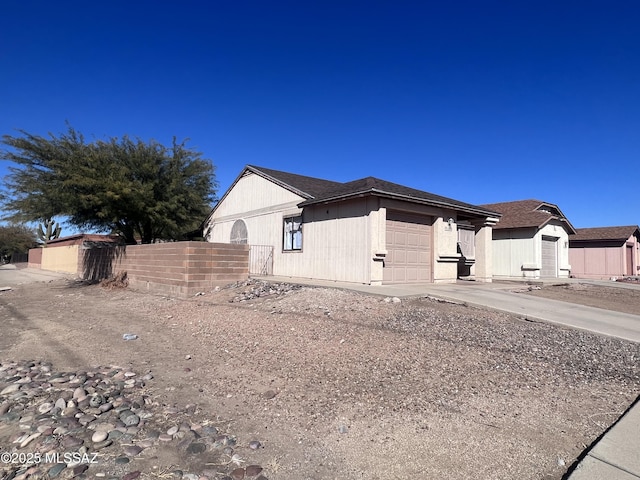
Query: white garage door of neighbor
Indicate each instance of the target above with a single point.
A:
(549, 257)
(408, 248)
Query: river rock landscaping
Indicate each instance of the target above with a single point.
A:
(100, 422)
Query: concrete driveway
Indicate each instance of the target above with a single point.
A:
(12, 275)
(606, 322)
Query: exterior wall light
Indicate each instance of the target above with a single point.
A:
(450, 223)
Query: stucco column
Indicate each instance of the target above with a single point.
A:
(377, 226)
(445, 244)
(484, 253)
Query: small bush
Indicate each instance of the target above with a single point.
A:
(119, 280)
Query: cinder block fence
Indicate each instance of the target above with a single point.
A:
(182, 268)
(178, 269)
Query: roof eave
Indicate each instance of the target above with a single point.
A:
(280, 183)
(563, 219)
(596, 240)
(382, 193)
(260, 173)
(75, 236)
(504, 226)
(215, 207)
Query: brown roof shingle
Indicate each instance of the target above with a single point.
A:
(321, 191)
(527, 213)
(606, 233)
(307, 187)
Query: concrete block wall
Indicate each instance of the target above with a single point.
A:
(182, 268)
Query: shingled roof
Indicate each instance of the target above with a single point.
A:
(620, 234)
(307, 187)
(316, 191)
(527, 214)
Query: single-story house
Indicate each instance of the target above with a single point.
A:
(605, 252)
(531, 240)
(366, 231)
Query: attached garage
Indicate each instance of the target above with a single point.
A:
(531, 240)
(549, 257)
(409, 251)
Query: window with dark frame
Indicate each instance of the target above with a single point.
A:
(292, 234)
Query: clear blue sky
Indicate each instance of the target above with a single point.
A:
(480, 101)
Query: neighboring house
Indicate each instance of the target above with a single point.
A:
(605, 252)
(367, 231)
(531, 240)
(66, 254)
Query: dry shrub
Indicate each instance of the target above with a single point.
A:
(119, 280)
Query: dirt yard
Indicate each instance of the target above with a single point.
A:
(308, 383)
(618, 299)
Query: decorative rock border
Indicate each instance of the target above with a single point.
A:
(259, 288)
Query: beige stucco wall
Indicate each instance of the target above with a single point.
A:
(60, 259)
(336, 243)
(446, 256)
(483, 268)
(336, 238)
(559, 232)
(253, 196)
(378, 241)
(518, 252)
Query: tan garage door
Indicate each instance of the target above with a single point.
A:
(408, 248)
(549, 257)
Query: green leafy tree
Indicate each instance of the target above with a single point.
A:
(15, 239)
(140, 190)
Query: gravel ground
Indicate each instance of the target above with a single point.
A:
(335, 384)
